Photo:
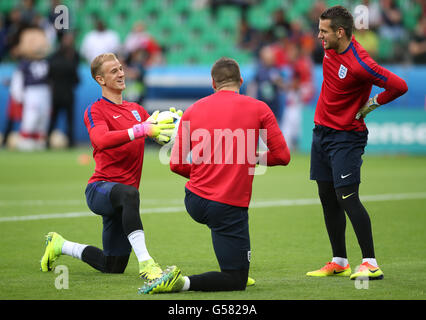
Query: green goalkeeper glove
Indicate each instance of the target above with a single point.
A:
(164, 119)
(159, 131)
(173, 110)
(153, 117)
(370, 106)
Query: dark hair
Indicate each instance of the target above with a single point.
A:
(226, 71)
(340, 17)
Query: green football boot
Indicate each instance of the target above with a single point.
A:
(149, 270)
(54, 243)
(250, 282)
(171, 281)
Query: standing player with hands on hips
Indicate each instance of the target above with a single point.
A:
(340, 136)
(117, 129)
(215, 130)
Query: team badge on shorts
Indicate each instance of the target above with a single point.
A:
(342, 71)
(137, 116)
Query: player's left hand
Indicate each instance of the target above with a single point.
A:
(370, 106)
(173, 110)
(153, 117)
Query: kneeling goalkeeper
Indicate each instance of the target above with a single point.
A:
(117, 129)
(221, 132)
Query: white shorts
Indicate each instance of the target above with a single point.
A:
(36, 111)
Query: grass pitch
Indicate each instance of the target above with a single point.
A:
(44, 191)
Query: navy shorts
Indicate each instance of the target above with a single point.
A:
(114, 240)
(337, 155)
(229, 229)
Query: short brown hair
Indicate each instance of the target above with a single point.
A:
(96, 65)
(340, 17)
(226, 71)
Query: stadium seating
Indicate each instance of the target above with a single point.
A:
(190, 34)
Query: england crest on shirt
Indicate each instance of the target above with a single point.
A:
(342, 71)
(136, 114)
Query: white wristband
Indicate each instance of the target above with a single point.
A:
(131, 134)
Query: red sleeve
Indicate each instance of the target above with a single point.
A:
(278, 152)
(104, 139)
(394, 86)
(99, 133)
(181, 149)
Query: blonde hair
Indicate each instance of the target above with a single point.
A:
(96, 65)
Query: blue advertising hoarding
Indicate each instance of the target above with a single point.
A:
(390, 130)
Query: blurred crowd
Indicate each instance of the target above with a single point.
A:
(47, 60)
(284, 55)
(386, 35)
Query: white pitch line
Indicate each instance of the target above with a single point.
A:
(254, 204)
(75, 202)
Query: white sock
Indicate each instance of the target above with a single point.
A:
(186, 284)
(371, 261)
(73, 249)
(137, 240)
(343, 262)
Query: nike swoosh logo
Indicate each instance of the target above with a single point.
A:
(373, 271)
(344, 197)
(345, 176)
(337, 272)
(115, 117)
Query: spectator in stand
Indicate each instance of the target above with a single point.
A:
(248, 37)
(3, 38)
(243, 5)
(267, 82)
(369, 40)
(14, 28)
(28, 11)
(299, 91)
(99, 41)
(14, 106)
(139, 38)
(313, 15)
(280, 26)
(417, 46)
(391, 26)
(392, 29)
(299, 34)
(135, 76)
(63, 78)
